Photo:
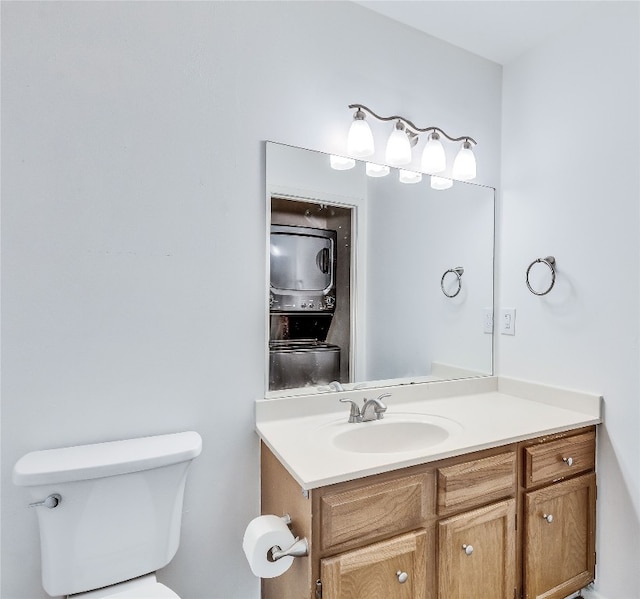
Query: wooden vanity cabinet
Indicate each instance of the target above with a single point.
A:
(476, 553)
(559, 514)
(372, 537)
(476, 546)
(447, 529)
(393, 569)
(376, 536)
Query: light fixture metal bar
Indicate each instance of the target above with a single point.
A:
(411, 125)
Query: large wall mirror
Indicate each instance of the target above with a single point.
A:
(373, 282)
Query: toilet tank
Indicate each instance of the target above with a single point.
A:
(120, 510)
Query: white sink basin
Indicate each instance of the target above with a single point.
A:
(393, 434)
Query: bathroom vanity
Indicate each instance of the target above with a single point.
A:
(477, 488)
(502, 505)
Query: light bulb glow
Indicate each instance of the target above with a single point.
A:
(409, 176)
(360, 139)
(440, 182)
(398, 151)
(340, 163)
(464, 166)
(433, 156)
(376, 170)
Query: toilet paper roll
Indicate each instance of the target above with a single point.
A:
(260, 536)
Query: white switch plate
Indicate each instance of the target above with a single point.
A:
(487, 320)
(508, 321)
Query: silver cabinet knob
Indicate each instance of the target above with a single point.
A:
(51, 501)
(402, 576)
(568, 461)
(468, 549)
(548, 517)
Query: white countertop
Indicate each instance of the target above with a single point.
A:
(484, 412)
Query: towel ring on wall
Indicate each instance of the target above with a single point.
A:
(458, 271)
(550, 261)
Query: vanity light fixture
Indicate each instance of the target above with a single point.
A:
(433, 156)
(398, 152)
(341, 163)
(377, 170)
(440, 182)
(402, 140)
(360, 138)
(409, 176)
(464, 166)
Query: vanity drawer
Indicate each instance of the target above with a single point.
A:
(377, 510)
(476, 482)
(558, 459)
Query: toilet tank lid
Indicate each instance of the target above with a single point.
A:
(100, 460)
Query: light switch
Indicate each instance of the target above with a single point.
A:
(508, 321)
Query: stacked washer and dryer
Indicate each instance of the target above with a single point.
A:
(302, 302)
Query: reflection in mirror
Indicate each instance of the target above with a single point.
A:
(373, 282)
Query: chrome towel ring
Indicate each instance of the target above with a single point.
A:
(458, 271)
(550, 261)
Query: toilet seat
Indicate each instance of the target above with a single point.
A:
(145, 587)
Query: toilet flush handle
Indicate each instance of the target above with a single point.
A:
(51, 501)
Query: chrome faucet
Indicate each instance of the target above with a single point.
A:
(372, 409)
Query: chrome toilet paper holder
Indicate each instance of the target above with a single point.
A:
(299, 547)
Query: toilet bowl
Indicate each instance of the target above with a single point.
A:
(145, 587)
(109, 513)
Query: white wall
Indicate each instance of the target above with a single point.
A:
(570, 188)
(133, 225)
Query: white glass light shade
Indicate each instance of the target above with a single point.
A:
(398, 152)
(376, 170)
(440, 182)
(340, 163)
(433, 156)
(409, 176)
(360, 139)
(464, 166)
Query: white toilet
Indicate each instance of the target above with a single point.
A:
(109, 513)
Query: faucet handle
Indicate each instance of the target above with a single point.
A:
(354, 413)
(380, 408)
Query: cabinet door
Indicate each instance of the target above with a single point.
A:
(477, 553)
(393, 569)
(559, 539)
